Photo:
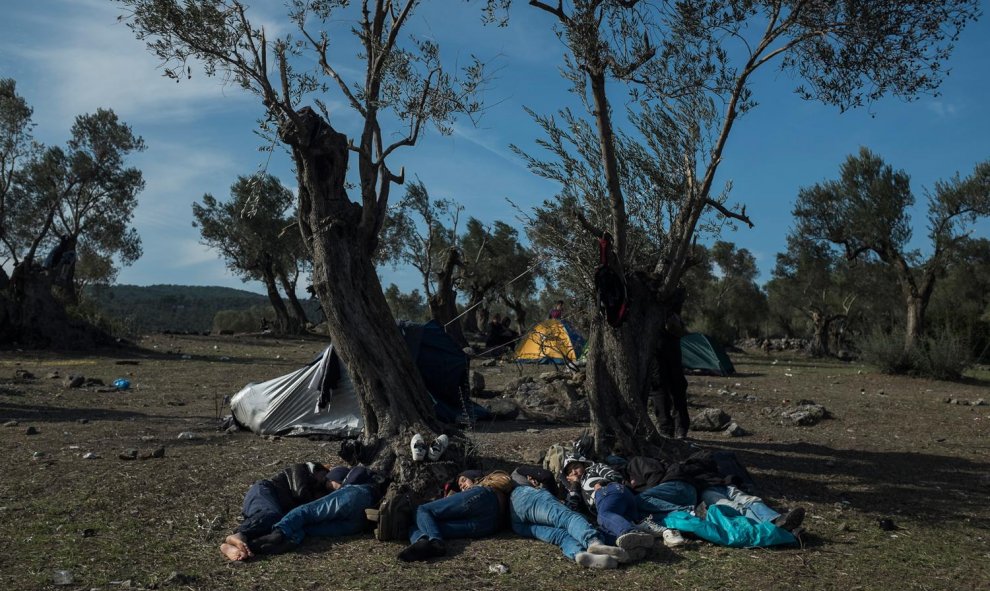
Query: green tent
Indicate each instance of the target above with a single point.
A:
(699, 352)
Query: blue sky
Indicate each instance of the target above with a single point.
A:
(72, 56)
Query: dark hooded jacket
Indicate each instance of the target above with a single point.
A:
(299, 484)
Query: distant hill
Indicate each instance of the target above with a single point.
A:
(180, 308)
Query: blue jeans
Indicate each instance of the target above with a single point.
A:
(616, 506)
(749, 505)
(666, 497)
(261, 510)
(473, 513)
(535, 513)
(340, 513)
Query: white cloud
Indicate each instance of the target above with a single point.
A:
(89, 60)
(190, 253)
(942, 109)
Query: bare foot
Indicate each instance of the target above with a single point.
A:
(240, 542)
(232, 552)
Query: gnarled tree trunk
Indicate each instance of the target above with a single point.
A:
(392, 396)
(295, 307)
(283, 323)
(621, 363)
(443, 303)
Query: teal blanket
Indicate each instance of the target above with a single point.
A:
(725, 526)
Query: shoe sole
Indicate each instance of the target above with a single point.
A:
(638, 539)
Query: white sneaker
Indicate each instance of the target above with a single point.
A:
(418, 446)
(438, 447)
(673, 538)
(648, 525)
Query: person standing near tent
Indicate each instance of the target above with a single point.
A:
(669, 384)
(557, 312)
(268, 500)
(475, 512)
(339, 513)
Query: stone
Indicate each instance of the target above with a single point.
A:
(53, 375)
(978, 402)
(499, 569)
(11, 423)
(554, 402)
(31, 431)
(128, 454)
(502, 409)
(710, 419)
(38, 455)
(552, 376)
(74, 381)
(159, 452)
(803, 415)
(734, 430)
(90, 456)
(187, 435)
(82, 421)
(62, 578)
(489, 363)
(23, 374)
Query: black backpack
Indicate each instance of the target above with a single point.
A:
(611, 288)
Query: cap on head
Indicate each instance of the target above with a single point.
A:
(338, 474)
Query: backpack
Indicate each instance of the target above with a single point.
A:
(611, 288)
(554, 459)
(394, 515)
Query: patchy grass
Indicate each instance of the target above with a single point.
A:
(893, 449)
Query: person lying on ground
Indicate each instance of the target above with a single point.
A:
(268, 500)
(339, 513)
(676, 488)
(602, 493)
(536, 512)
(475, 512)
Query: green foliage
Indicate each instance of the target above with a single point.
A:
(865, 213)
(941, 355)
(407, 306)
(727, 304)
(178, 308)
(250, 319)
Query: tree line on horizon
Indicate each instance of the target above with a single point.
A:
(635, 177)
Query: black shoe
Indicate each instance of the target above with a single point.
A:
(418, 550)
(437, 548)
(273, 543)
(790, 520)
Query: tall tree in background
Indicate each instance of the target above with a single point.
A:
(75, 203)
(423, 233)
(808, 279)
(497, 266)
(402, 82)
(865, 213)
(248, 232)
(688, 68)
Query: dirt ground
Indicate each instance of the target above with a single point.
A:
(893, 449)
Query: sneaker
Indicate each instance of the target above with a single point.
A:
(649, 526)
(419, 449)
(438, 447)
(672, 538)
(791, 520)
(634, 539)
(589, 560)
(597, 547)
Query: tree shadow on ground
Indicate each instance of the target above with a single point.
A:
(937, 487)
(38, 413)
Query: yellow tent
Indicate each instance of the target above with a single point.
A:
(551, 341)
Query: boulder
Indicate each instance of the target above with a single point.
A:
(503, 409)
(23, 374)
(804, 414)
(734, 430)
(710, 419)
(74, 381)
(554, 402)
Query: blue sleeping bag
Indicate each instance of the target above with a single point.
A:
(725, 526)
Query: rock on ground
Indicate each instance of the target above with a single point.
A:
(710, 419)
